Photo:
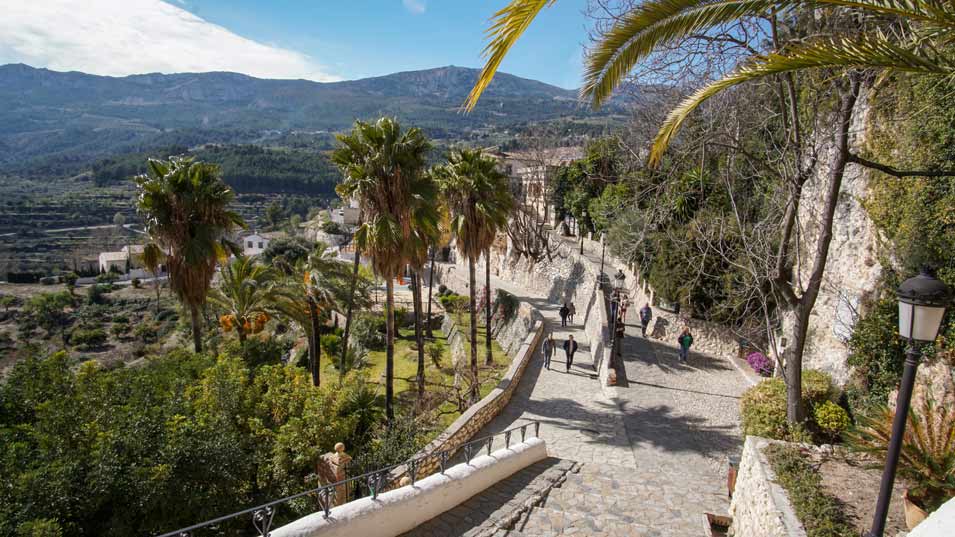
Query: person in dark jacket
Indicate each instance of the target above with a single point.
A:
(548, 348)
(685, 340)
(564, 312)
(571, 311)
(646, 315)
(570, 347)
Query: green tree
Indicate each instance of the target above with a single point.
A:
(246, 293)
(69, 280)
(153, 258)
(185, 205)
(479, 201)
(383, 169)
(49, 311)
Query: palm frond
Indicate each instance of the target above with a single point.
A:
(869, 52)
(507, 26)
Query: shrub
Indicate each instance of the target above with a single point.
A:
(331, 345)
(927, 461)
(763, 407)
(369, 332)
(442, 288)
(453, 303)
(821, 514)
(832, 419)
(107, 277)
(137, 283)
(49, 280)
(505, 305)
(69, 279)
(88, 337)
(332, 228)
(435, 350)
(41, 527)
(119, 329)
(760, 363)
(95, 294)
(146, 332)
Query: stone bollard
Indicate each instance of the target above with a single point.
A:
(332, 469)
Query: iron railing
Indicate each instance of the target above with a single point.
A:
(357, 487)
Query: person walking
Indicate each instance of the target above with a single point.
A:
(548, 348)
(564, 312)
(570, 347)
(685, 340)
(646, 314)
(571, 311)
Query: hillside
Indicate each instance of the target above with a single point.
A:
(51, 121)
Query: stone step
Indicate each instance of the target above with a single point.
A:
(547, 522)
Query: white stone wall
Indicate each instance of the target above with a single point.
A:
(853, 268)
(760, 506)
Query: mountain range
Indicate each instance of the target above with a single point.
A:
(71, 117)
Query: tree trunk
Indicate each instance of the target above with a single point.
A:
(156, 284)
(389, 348)
(472, 281)
(348, 315)
(196, 328)
(419, 336)
(795, 413)
(488, 358)
(434, 250)
(314, 349)
(240, 331)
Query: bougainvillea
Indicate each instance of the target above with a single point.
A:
(760, 363)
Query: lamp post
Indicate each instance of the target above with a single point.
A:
(580, 230)
(922, 302)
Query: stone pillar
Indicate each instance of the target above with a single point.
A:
(332, 469)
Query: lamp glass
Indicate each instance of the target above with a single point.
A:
(920, 323)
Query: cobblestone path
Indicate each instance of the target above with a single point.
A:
(652, 450)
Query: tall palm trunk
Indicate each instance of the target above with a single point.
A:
(156, 285)
(472, 281)
(314, 348)
(418, 333)
(348, 315)
(196, 327)
(430, 287)
(389, 348)
(488, 358)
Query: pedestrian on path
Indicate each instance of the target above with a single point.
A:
(564, 312)
(571, 311)
(548, 348)
(646, 315)
(570, 347)
(685, 340)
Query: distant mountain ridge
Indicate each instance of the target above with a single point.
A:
(72, 115)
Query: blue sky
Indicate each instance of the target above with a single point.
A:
(314, 39)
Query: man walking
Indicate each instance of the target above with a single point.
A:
(570, 347)
(685, 340)
(564, 312)
(571, 311)
(646, 314)
(548, 348)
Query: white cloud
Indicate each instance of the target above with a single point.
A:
(121, 37)
(415, 6)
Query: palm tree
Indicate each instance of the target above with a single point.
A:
(479, 201)
(246, 293)
(917, 44)
(316, 284)
(382, 166)
(153, 258)
(185, 205)
(424, 232)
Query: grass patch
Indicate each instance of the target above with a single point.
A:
(821, 514)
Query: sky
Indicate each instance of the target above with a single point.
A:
(321, 40)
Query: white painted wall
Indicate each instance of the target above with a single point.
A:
(941, 523)
(403, 509)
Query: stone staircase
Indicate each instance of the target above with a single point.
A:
(609, 501)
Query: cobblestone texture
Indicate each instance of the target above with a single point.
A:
(653, 449)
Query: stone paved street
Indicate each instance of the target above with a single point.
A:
(653, 449)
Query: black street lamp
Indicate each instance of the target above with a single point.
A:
(580, 230)
(922, 302)
(615, 303)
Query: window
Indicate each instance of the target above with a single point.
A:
(248, 244)
(260, 246)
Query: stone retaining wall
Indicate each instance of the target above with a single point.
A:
(524, 332)
(760, 506)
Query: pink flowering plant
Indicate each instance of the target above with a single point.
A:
(760, 363)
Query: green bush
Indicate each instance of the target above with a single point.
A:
(137, 283)
(41, 527)
(147, 332)
(88, 337)
(369, 332)
(821, 514)
(49, 280)
(452, 302)
(832, 419)
(119, 329)
(95, 294)
(763, 407)
(331, 345)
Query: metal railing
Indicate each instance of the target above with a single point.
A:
(361, 486)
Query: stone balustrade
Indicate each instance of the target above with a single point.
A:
(761, 506)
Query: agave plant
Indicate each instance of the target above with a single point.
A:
(928, 448)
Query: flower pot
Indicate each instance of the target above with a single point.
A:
(913, 513)
(731, 475)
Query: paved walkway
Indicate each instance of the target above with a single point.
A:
(669, 427)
